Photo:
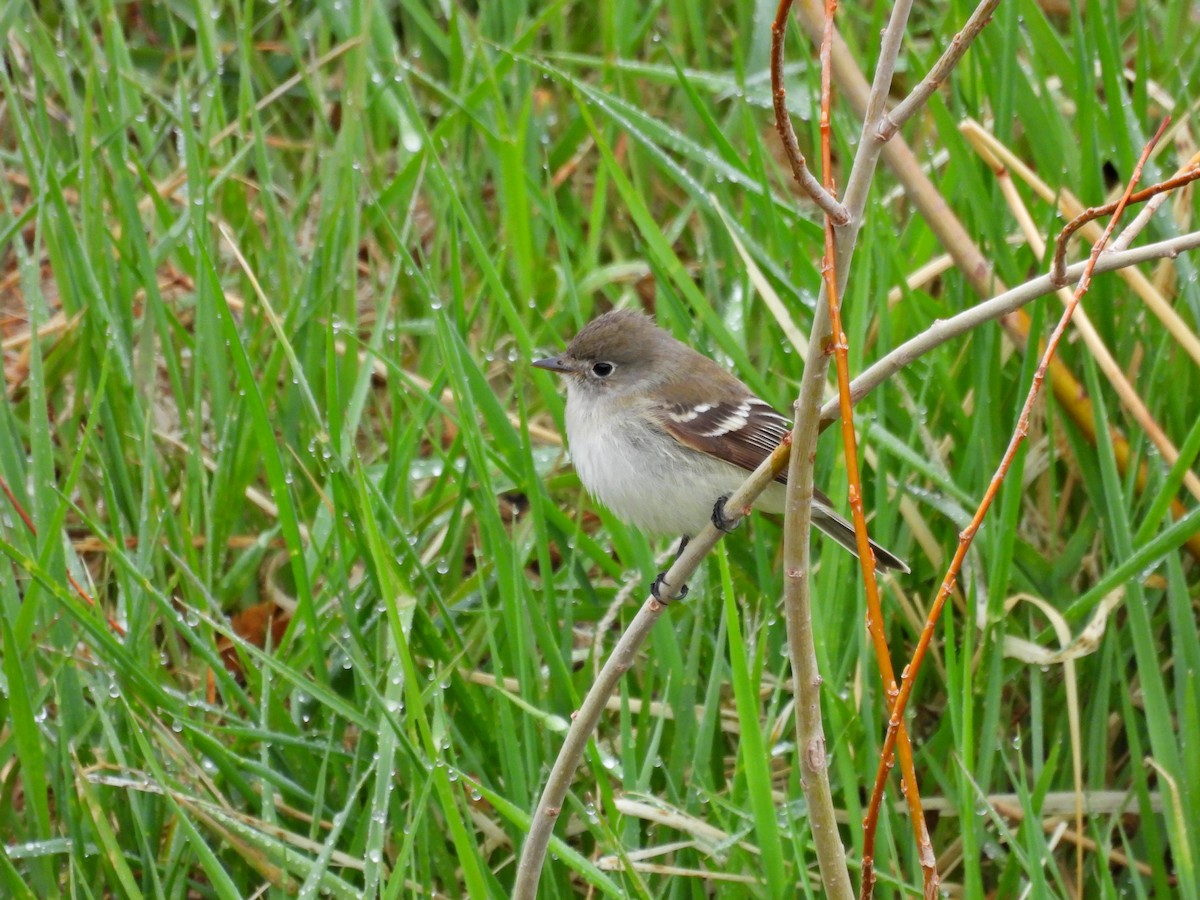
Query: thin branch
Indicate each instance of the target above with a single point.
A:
(944, 330)
(866, 559)
(977, 270)
(968, 534)
(1142, 219)
(821, 31)
(1126, 393)
(866, 555)
(828, 203)
(1004, 307)
(1060, 243)
(861, 175)
(1137, 226)
(866, 159)
(797, 563)
(583, 722)
(906, 108)
(806, 676)
(1070, 393)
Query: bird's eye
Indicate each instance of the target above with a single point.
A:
(603, 369)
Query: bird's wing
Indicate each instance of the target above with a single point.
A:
(743, 431)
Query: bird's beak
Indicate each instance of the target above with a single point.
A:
(554, 364)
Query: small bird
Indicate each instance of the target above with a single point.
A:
(662, 435)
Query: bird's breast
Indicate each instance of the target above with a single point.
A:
(642, 474)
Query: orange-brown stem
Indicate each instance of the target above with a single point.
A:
(964, 541)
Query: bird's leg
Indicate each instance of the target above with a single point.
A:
(721, 521)
(656, 588)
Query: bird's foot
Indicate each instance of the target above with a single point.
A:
(656, 589)
(721, 521)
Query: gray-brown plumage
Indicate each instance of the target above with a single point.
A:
(659, 433)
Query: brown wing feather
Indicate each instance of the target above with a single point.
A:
(724, 419)
(742, 432)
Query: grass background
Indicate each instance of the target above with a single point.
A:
(272, 275)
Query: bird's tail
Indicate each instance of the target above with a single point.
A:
(843, 532)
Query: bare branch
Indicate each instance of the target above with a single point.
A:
(797, 561)
(828, 203)
(977, 270)
(1067, 388)
(1134, 228)
(910, 105)
(1060, 243)
(1126, 393)
(944, 330)
(968, 534)
(833, 52)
